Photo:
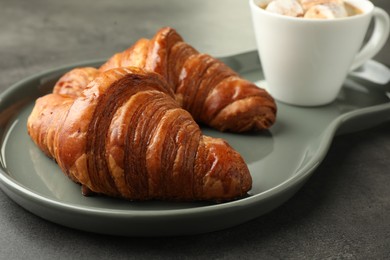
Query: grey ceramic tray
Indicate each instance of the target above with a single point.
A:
(280, 161)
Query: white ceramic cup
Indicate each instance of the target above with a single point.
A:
(305, 61)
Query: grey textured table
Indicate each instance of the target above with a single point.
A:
(342, 212)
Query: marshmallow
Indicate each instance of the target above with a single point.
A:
(285, 7)
(263, 3)
(326, 11)
(307, 4)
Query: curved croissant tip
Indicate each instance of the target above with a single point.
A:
(224, 181)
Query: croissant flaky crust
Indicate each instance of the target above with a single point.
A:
(213, 93)
(125, 135)
(128, 129)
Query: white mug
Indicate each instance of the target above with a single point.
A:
(305, 61)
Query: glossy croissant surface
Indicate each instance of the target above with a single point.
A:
(212, 92)
(125, 135)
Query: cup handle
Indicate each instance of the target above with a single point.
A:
(377, 40)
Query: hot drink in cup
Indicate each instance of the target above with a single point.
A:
(307, 47)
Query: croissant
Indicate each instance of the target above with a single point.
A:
(124, 135)
(213, 93)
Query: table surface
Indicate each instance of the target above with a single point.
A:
(343, 211)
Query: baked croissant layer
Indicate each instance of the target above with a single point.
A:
(129, 128)
(125, 135)
(212, 92)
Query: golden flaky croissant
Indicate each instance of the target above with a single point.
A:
(125, 135)
(213, 93)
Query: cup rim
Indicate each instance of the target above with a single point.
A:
(367, 11)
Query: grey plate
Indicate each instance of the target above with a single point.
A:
(280, 161)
